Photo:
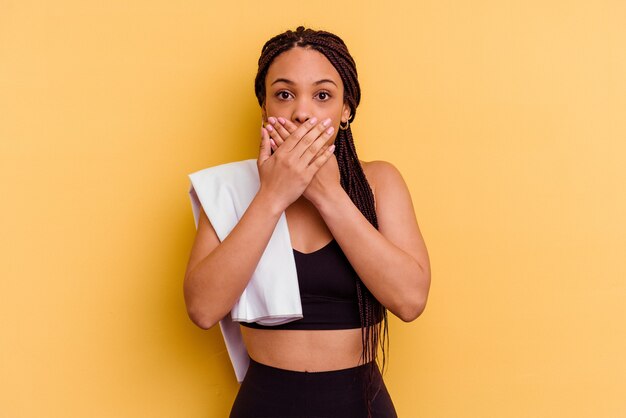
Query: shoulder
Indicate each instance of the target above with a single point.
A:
(381, 174)
(391, 192)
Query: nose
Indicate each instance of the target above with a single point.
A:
(301, 112)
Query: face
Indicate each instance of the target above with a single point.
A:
(300, 84)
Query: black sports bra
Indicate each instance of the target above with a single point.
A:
(327, 285)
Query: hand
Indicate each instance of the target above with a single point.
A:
(326, 178)
(287, 172)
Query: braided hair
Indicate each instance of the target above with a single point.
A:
(353, 179)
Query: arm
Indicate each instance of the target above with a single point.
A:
(393, 260)
(217, 273)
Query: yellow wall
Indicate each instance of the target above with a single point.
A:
(506, 118)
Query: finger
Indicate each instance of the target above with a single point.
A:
(273, 134)
(289, 125)
(282, 129)
(321, 151)
(309, 144)
(273, 122)
(297, 135)
(264, 152)
(321, 160)
(281, 133)
(320, 144)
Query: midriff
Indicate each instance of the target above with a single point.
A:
(304, 350)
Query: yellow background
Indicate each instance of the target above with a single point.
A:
(506, 118)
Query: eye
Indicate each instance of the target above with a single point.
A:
(283, 95)
(323, 95)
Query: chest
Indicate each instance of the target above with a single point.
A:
(326, 273)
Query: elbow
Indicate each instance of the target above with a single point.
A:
(411, 311)
(197, 310)
(415, 302)
(412, 307)
(201, 319)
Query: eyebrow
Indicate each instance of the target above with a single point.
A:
(284, 80)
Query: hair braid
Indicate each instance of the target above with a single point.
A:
(352, 177)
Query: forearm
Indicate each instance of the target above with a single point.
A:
(393, 276)
(215, 284)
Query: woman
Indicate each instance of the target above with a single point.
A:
(357, 245)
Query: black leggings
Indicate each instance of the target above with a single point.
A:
(270, 392)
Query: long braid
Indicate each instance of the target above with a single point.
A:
(352, 177)
(353, 180)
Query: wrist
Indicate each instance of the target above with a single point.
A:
(329, 200)
(268, 202)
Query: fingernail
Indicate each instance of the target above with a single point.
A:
(272, 120)
(326, 122)
(313, 121)
(269, 128)
(281, 120)
(332, 148)
(330, 130)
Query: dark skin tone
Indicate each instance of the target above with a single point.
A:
(301, 179)
(289, 105)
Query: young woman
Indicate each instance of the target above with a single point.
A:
(356, 242)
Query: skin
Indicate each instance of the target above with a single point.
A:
(301, 178)
(301, 96)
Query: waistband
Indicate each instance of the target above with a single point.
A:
(278, 372)
(325, 386)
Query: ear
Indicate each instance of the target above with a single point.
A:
(263, 113)
(345, 112)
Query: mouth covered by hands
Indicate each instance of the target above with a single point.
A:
(327, 178)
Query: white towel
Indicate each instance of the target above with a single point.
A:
(272, 296)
